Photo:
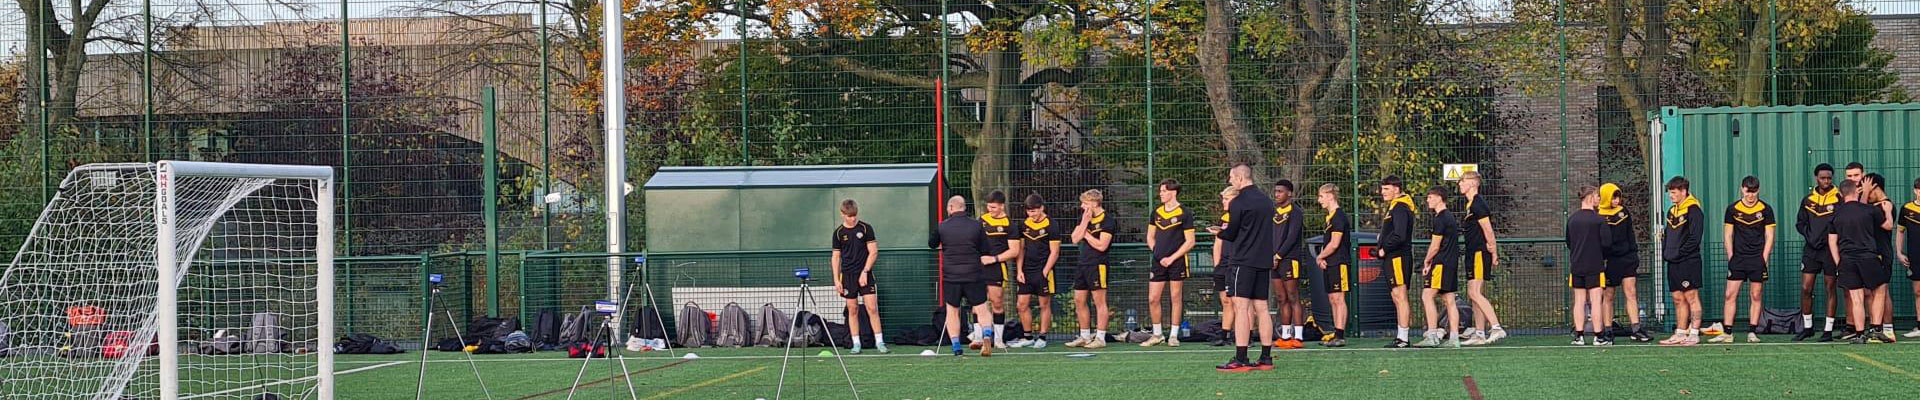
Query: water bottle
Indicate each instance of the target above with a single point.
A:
(1186, 329)
(1132, 324)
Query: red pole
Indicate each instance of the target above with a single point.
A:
(939, 182)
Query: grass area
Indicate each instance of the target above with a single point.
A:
(1525, 367)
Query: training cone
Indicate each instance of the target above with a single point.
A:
(690, 356)
(927, 353)
(825, 353)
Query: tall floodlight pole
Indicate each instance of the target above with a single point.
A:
(616, 114)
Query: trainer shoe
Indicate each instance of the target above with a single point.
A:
(1602, 341)
(1803, 335)
(1021, 342)
(1826, 336)
(1889, 332)
(1080, 341)
(1714, 330)
(974, 337)
(1469, 332)
(1753, 337)
(1721, 338)
(856, 350)
(1641, 335)
(1862, 339)
(1495, 335)
(1039, 343)
(1096, 343)
(1877, 336)
(1337, 342)
(975, 344)
(1173, 341)
(1233, 366)
(1430, 339)
(1397, 344)
(1265, 364)
(986, 351)
(1453, 343)
(1296, 344)
(1579, 341)
(1850, 335)
(1690, 340)
(1156, 339)
(1674, 340)
(1914, 334)
(881, 347)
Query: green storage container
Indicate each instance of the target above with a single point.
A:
(1716, 147)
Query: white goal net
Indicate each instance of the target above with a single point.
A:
(174, 280)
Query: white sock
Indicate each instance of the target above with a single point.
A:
(1806, 320)
(1100, 335)
(1887, 326)
(856, 342)
(999, 330)
(1156, 329)
(1086, 334)
(1453, 335)
(1299, 332)
(1829, 324)
(1402, 335)
(878, 339)
(1497, 327)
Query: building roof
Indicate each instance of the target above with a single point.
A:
(800, 176)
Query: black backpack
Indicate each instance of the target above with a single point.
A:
(648, 326)
(361, 343)
(810, 329)
(483, 329)
(546, 330)
(1779, 321)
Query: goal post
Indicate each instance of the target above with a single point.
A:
(225, 270)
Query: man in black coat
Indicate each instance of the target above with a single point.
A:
(1252, 258)
(963, 250)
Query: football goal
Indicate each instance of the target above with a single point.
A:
(174, 280)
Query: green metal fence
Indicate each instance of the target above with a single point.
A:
(1028, 96)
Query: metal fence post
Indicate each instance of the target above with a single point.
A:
(490, 201)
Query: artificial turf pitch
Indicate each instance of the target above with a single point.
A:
(1517, 368)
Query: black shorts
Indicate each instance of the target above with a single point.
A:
(1338, 278)
(1289, 269)
(1684, 276)
(963, 294)
(1744, 263)
(1222, 279)
(1091, 278)
(1174, 273)
(996, 274)
(1481, 266)
(850, 287)
(1403, 268)
(1444, 278)
(1818, 263)
(1251, 283)
(1623, 267)
(1577, 281)
(1747, 275)
(1039, 283)
(1861, 273)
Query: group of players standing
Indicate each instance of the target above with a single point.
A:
(1850, 239)
(1849, 230)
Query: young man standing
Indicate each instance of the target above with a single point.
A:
(1587, 236)
(1289, 256)
(1442, 270)
(999, 230)
(1169, 238)
(1852, 246)
(1222, 270)
(1680, 248)
(1623, 264)
(1749, 237)
(1876, 196)
(1335, 261)
(1396, 251)
(1095, 235)
(855, 249)
(963, 251)
(1909, 222)
(1482, 257)
(1816, 214)
(1040, 248)
(1252, 260)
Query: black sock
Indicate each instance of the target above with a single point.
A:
(1266, 352)
(1000, 319)
(1339, 334)
(1240, 354)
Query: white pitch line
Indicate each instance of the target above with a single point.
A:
(1153, 352)
(292, 381)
